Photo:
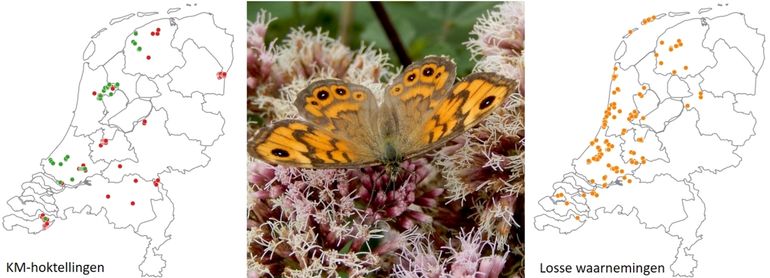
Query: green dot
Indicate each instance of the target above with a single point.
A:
(110, 94)
(139, 49)
(45, 219)
(61, 164)
(136, 33)
(72, 179)
(117, 84)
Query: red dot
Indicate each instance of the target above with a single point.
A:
(100, 145)
(157, 29)
(93, 93)
(152, 33)
(144, 121)
(148, 57)
(108, 196)
(120, 166)
(224, 74)
(132, 203)
(136, 180)
(83, 164)
(42, 215)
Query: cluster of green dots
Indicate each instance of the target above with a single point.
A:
(83, 168)
(53, 162)
(108, 90)
(134, 43)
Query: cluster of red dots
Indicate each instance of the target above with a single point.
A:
(46, 222)
(103, 142)
(221, 75)
(156, 182)
(153, 33)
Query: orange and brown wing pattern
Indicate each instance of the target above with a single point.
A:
(466, 104)
(329, 102)
(427, 78)
(300, 144)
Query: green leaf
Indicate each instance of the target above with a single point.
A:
(345, 249)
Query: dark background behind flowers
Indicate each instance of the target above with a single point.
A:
(425, 28)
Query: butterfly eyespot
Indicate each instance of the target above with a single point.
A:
(486, 102)
(341, 91)
(279, 152)
(411, 77)
(427, 72)
(314, 102)
(358, 96)
(322, 95)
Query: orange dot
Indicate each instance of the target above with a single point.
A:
(640, 140)
(656, 54)
(588, 161)
(644, 118)
(620, 110)
(673, 72)
(566, 203)
(654, 17)
(604, 178)
(661, 42)
(583, 195)
(592, 181)
(660, 63)
(630, 31)
(644, 87)
(687, 105)
(577, 217)
(617, 89)
(686, 67)
(670, 48)
(613, 117)
(676, 46)
(628, 181)
(615, 68)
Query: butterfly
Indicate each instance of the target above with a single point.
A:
(343, 126)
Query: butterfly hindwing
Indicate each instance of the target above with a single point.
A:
(302, 144)
(428, 78)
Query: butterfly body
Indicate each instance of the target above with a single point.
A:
(345, 127)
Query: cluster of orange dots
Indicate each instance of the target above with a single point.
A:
(608, 113)
(599, 151)
(649, 19)
(614, 73)
(633, 115)
(700, 94)
(559, 195)
(616, 169)
(671, 48)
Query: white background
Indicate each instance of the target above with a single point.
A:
(570, 47)
(40, 66)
